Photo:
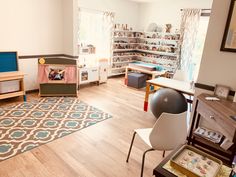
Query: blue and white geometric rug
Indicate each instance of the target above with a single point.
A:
(27, 125)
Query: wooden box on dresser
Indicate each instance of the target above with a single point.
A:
(217, 115)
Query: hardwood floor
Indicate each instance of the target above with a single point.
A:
(99, 150)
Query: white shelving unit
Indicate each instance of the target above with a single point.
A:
(150, 47)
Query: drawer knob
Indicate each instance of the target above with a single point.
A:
(212, 117)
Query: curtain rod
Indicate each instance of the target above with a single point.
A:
(92, 10)
(201, 9)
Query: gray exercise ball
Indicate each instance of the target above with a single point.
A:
(169, 101)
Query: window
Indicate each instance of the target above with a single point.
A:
(95, 29)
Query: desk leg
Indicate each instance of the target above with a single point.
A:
(126, 76)
(145, 107)
(193, 123)
(22, 87)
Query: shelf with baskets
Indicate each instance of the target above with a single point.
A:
(151, 47)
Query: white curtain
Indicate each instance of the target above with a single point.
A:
(188, 30)
(104, 49)
(95, 28)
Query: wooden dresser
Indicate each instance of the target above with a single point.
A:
(216, 114)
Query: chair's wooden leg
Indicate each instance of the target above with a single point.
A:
(143, 160)
(130, 148)
(163, 155)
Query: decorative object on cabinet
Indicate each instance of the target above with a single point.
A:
(86, 49)
(152, 27)
(229, 38)
(216, 114)
(57, 77)
(221, 91)
(11, 79)
(168, 28)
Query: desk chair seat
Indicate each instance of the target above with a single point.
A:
(169, 131)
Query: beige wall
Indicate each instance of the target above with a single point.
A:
(125, 11)
(31, 26)
(217, 67)
(70, 26)
(162, 12)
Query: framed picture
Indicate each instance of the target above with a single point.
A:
(229, 38)
(221, 91)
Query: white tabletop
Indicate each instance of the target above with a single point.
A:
(182, 86)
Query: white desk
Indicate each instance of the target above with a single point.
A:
(181, 86)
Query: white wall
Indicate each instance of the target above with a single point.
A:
(162, 12)
(217, 67)
(31, 27)
(126, 12)
(70, 26)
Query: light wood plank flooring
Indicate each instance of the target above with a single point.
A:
(99, 150)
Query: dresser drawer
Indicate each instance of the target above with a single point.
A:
(215, 120)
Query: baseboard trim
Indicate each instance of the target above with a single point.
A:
(46, 55)
(32, 91)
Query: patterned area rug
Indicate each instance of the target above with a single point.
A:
(27, 125)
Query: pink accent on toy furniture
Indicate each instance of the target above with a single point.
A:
(70, 74)
(43, 71)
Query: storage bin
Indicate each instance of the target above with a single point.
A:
(137, 80)
(9, 86)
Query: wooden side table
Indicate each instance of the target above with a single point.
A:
(217, 114)
(10, 76)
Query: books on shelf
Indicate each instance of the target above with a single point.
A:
(151, 47)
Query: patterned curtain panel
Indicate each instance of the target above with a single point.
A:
(188, 30)
(107, 33)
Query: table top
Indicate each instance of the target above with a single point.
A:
(146, 71)
(12, 73)
(178, 85)
(4, 76)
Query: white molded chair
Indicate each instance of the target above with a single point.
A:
(169, 131)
